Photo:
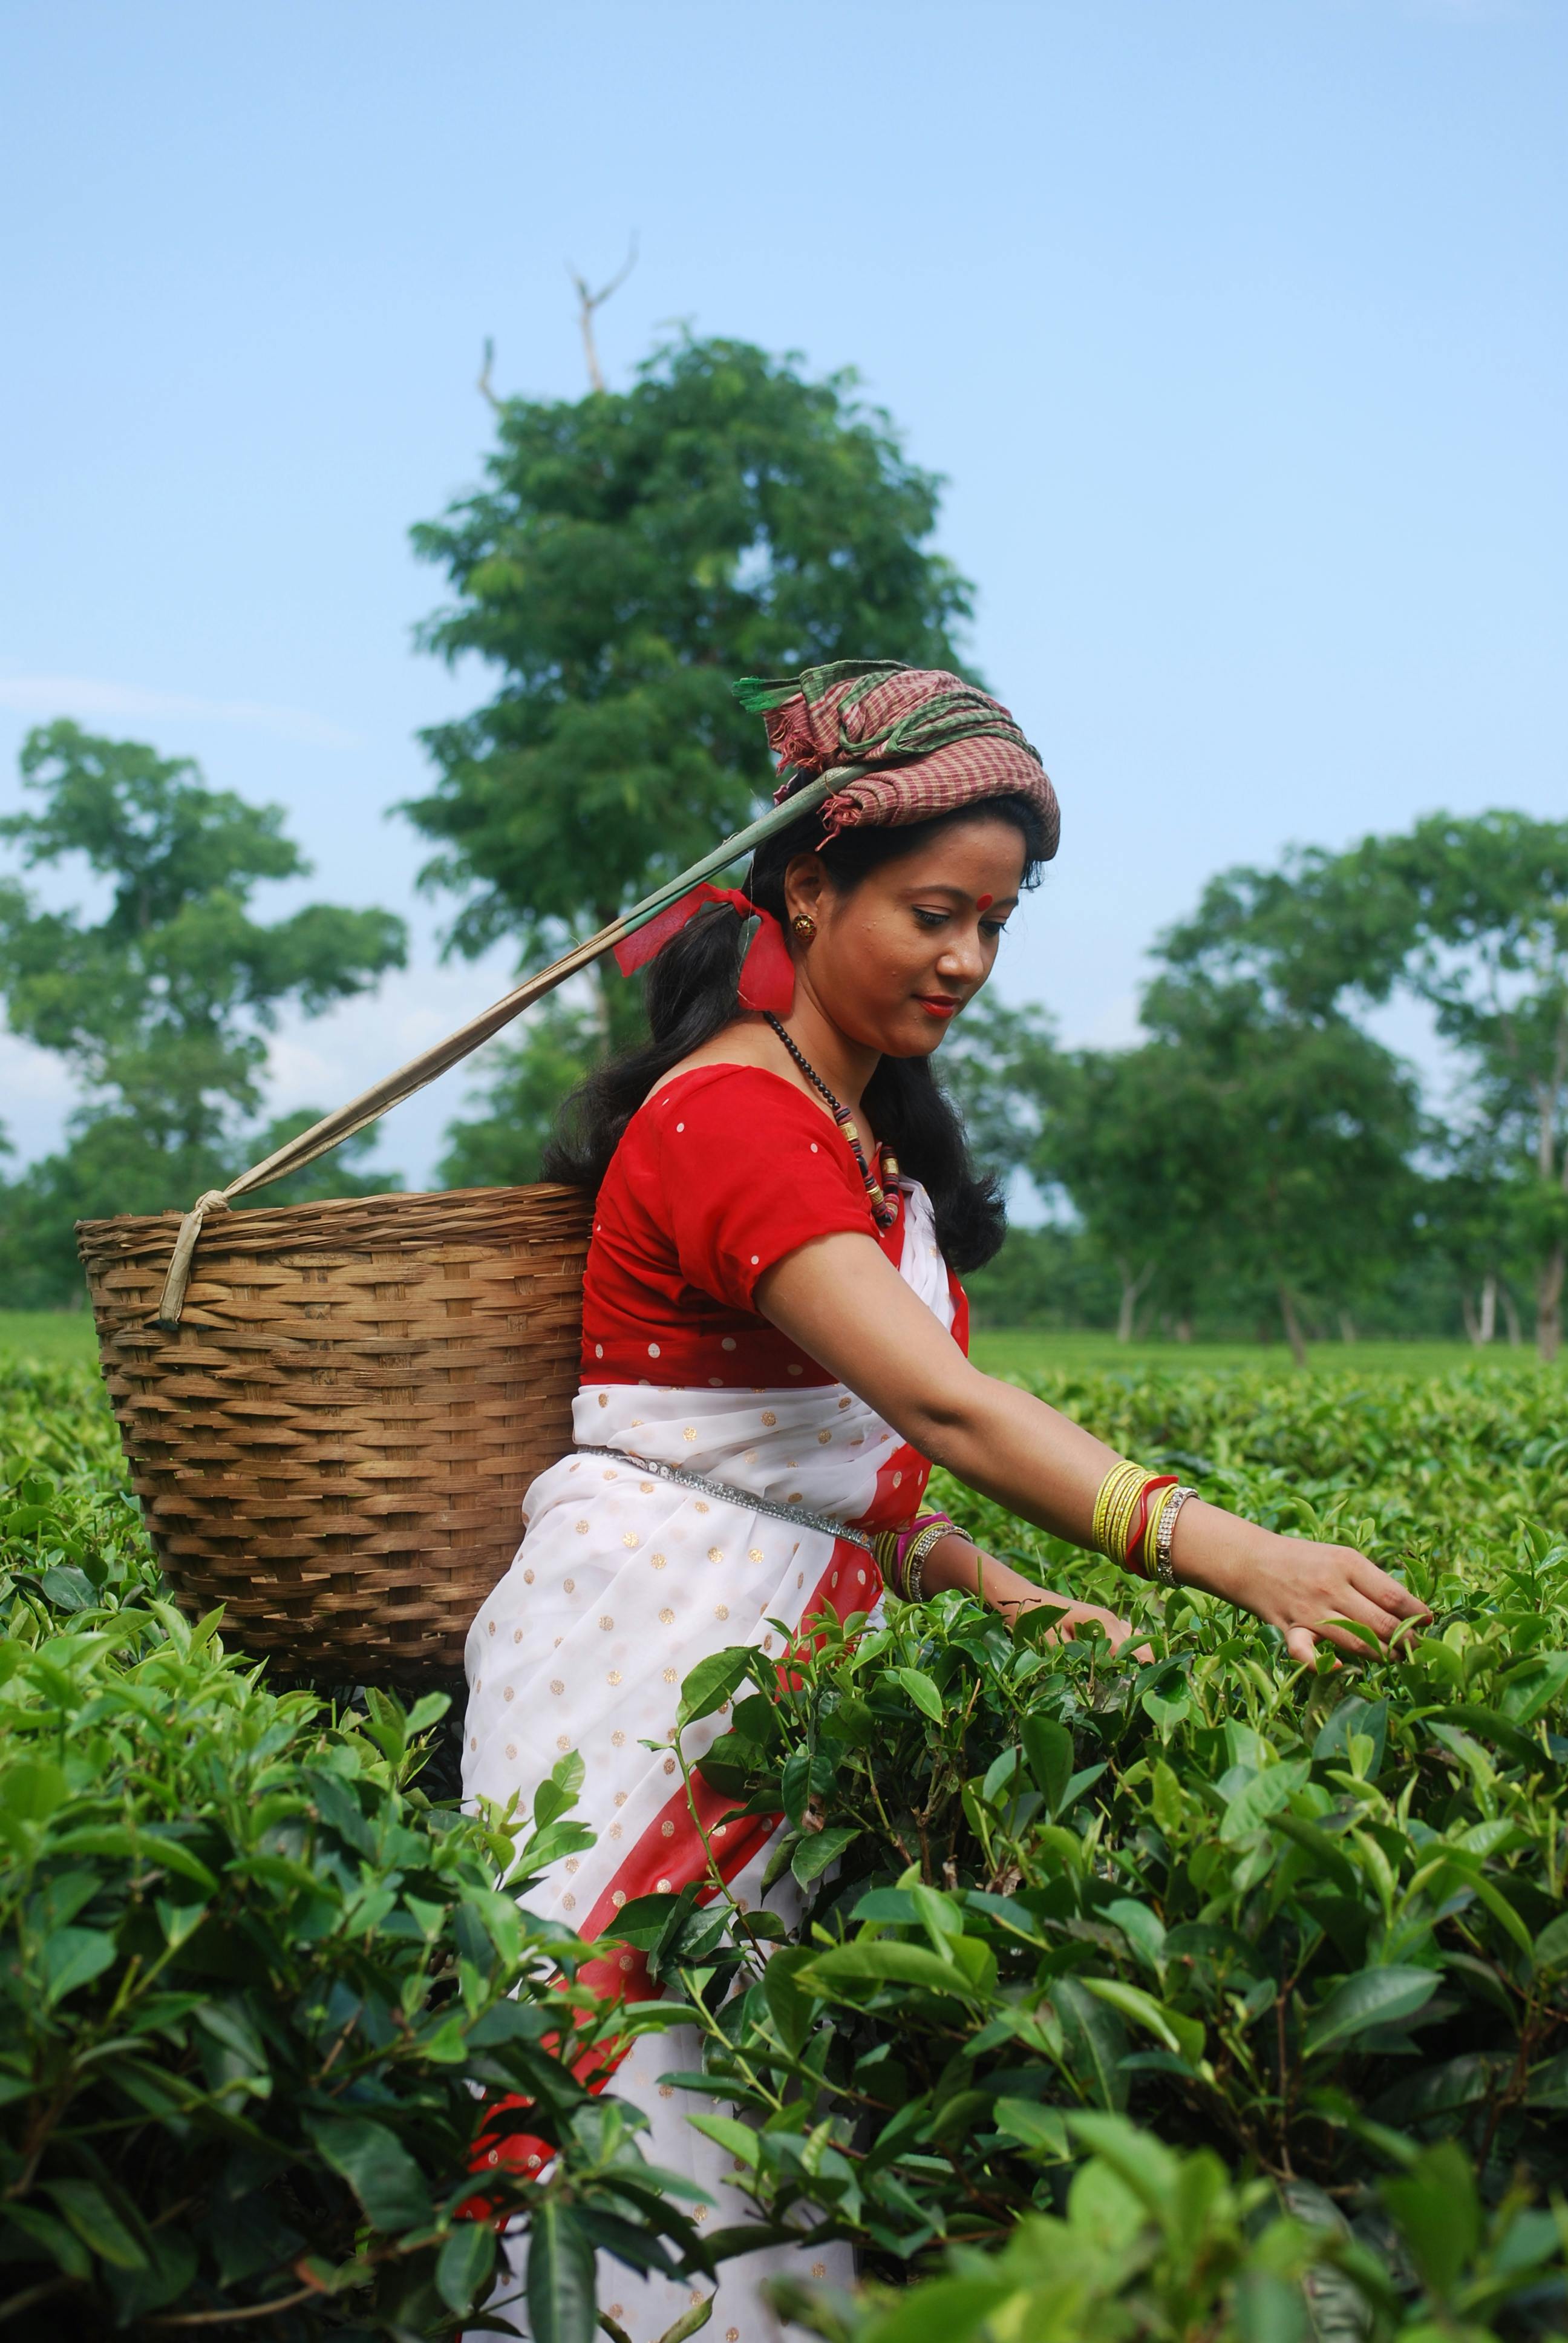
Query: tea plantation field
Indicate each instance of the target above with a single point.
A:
(67, 1335)
(1194, 1995)
(61, 1336)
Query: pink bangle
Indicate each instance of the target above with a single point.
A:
(893, 1548)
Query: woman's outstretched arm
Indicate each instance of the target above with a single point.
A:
(842, 1301)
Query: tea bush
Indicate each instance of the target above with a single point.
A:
(1306, 1926)
(1198, 1995)
(250, 1973)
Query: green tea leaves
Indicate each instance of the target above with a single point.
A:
(378, 2168)
(560, 2281)
(1371, 1997)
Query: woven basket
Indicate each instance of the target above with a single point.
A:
(332, 1411)
(334, 1441)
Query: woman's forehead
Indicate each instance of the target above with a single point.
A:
(977, 857)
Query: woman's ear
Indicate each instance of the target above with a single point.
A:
(805, 884)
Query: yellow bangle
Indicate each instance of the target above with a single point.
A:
(1116, 1526)
(1120, 1519)
(1157, 1513)
(1104, 1500)
(1114, 1507)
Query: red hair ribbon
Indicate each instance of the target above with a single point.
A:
(767, 973)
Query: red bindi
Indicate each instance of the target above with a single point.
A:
(985, 902)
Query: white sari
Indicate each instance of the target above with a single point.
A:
(623, 1583)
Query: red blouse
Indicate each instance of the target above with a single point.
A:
(725, 1171)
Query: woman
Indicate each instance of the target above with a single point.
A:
(774, 1340)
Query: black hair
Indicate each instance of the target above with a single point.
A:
(690, 995)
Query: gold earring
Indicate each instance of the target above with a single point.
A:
(804, 925)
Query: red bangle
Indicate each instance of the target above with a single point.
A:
(1139, 1521)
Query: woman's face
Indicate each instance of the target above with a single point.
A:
(895, 958)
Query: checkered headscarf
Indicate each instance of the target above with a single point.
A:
(930, 742)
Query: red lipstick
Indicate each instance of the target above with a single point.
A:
(936, 1004)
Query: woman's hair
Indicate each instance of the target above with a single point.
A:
(691, 994)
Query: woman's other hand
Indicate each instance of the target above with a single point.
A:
(843, 1302)
(1303, 1589)
(957, 1561)
(1072, 1616)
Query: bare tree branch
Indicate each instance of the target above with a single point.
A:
(485, 385)
(588, 302)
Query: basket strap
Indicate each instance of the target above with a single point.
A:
(342, 1124)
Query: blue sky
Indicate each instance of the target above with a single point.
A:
(1237, 329)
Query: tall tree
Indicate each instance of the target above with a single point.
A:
(1117, 1133)
(630, 553)
(1293, 1137)
(1125, 1133)
(1460, 1225)
(1243, 1153)
(1471, 917)
(163, 1004)
(522, 1083)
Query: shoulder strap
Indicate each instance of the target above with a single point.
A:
(342, 1124)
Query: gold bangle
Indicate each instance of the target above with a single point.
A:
(1119, 1526)
(884, 1546)
(1150, 1530)
(1101, 1494)
(1118, 1493)
(1115, 1509)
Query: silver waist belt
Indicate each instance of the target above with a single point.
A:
(746, 1498)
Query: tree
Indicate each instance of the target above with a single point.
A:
(631, 554)
(105, 1168)
(1460, 1224)
(525, 1084)
(1243, 1151)
(1107, 1130)
(1126, 1133)
(1044, 1277)
(164, 1004)
(1290, 1142)
(1471, 917)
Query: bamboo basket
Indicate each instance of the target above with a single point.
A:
(332, 1411)
(335, 1440)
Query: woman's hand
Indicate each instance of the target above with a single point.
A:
(1303, 1589)
(842, 1301)
(1072, 1616)
(957, 1561)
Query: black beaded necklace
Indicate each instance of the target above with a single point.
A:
(884, 1213)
